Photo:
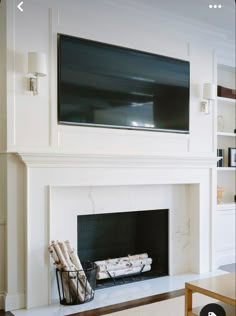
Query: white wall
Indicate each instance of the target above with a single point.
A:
(29, 123)
(32, 120)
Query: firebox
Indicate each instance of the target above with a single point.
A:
(114, 235)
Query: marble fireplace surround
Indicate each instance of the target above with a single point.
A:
(61, 186)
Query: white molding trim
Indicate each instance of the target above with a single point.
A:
(116, 161)
(13, 301)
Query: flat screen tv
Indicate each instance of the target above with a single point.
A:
(104, 85)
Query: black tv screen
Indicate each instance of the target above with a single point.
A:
(110, 86)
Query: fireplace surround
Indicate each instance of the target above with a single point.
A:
(59, 187)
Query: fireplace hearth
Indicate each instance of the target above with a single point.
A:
(114, 235)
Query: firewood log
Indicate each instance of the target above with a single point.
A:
(125, 272)
(66, 291)
(75, 259)
(72, 277)
(60, 256)
(53, 254)
(129, 257)
(65, 253)
(122, 264)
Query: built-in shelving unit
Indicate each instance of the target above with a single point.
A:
(226, 176)
(226, 136)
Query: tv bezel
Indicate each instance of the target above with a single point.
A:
(151, 129)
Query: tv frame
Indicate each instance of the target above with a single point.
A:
(151, 129)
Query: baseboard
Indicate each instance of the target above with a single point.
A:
(13, 301)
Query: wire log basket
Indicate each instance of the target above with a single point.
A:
(77, 287)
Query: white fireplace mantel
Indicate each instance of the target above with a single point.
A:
(95, 184)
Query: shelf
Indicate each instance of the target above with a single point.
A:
(226, 168)
(226, 206)
(226, 134)
(229, 100)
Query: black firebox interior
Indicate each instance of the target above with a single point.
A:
(116, 235)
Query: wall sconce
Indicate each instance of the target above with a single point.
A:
(208, 96)
(37, 65)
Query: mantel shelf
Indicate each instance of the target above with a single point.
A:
(226, 168)
(132, 161)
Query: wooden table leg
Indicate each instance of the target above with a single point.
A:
(188, 301)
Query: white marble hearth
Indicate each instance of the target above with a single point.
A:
(60, 187)
(120, 294)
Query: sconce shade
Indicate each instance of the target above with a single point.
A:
(209, 91)
(37, 64)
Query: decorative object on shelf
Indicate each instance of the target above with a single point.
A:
(220, 123)
(220, 153)
(226, 92)
(232, 156)
(220, 194)
(37, 65)
(209, 94)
